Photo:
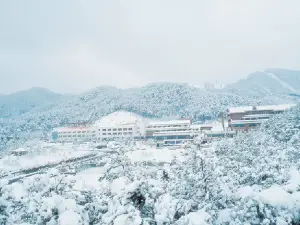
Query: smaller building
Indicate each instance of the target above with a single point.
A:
(19, 152)
(73, 134)
(167, 126)
(199, 128)
(173, 137)
(83, 132)
(248, 117)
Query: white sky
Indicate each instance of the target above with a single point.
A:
(71, 46)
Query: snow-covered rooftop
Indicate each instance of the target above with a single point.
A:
(170, 122)
(163, 133)
(201, 125)
(118, 118)
(70, 129)
(243, 109)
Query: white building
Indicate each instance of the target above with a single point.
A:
(78, 133)
(167, 126)
(175, 131)
(199, 128)
(117, 131)
(244, 118)
(118, 125)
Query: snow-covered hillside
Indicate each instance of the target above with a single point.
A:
(253, 178)
(152, 101)
(271, 82)
(156, 100)
(24, 101)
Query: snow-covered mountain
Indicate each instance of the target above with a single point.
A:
(154, 100)
(269, 82)
(24, 101)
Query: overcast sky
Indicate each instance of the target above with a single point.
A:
(72, 46)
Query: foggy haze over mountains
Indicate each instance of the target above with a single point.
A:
(72, 48)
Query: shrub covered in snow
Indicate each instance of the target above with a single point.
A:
(251, 179)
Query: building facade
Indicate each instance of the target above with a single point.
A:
(175, 132)
(167, 126)
(245, 118)
(95, 133)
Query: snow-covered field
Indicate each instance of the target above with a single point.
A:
(43, 154)
(163, 155)
(88, 179)
(254, 179)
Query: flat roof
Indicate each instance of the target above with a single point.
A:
(220, 132)
(170, 133)
(244, 109)
(170, 122)
(201, 125)
(69, 129)
(115, 125)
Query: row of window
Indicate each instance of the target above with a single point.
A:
(246, 125)
(92, 132)
(256, 118)
(124, 133)
(116, 129)
(74, 135)
(167, 126)
(93, 135)
(79, 132)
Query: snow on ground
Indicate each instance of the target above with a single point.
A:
(276, 196)
(69, 218)
(198, 218)
(217, 125)
(120, 117)
(245, 192)
(89, 178)
(126, 219)
(46, 154)
(164, 155)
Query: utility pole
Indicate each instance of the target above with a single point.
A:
(222, 120)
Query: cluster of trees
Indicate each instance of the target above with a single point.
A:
(251, 179)
(155, 100)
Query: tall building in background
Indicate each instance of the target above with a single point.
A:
(212, 86)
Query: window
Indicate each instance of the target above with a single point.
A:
(108, 133)
(109, 129)
(114, 129)
(119, 133)
(125, 133)
(125, 129)
(103, 130)
(119, 129)
(114, 133)
(130, 129)
(104, 133)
